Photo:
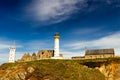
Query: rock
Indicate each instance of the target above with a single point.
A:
(17, 77)
(117, 72)
(110, 71)
(30, 69)
(21, 75)
(3, 78)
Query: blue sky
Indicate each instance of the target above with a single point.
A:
(80, 23)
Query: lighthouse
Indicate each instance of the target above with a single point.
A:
(56, 45)
(12, 54)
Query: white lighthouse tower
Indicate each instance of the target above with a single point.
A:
(56, 45)
(12, 54)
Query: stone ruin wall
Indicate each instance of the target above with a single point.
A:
(42, 54)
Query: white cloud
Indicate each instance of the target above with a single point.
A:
(55, 10)
(6, 43)
(67, 54)
(3, 58)
(85, 30)
(39, 44)
(110, 41)
(113, 2)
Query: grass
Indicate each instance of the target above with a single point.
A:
(58, 70)
(62, 69)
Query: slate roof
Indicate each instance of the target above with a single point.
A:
(99, 51)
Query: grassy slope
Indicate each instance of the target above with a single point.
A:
(56, 70)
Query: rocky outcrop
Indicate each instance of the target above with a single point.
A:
(117, 72)
(111, 71)
(16, 73)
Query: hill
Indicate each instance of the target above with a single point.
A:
(49, 70)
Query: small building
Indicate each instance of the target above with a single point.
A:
(99, 53)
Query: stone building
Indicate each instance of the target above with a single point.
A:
(45, 54)
(42, 54)
(99, 53)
